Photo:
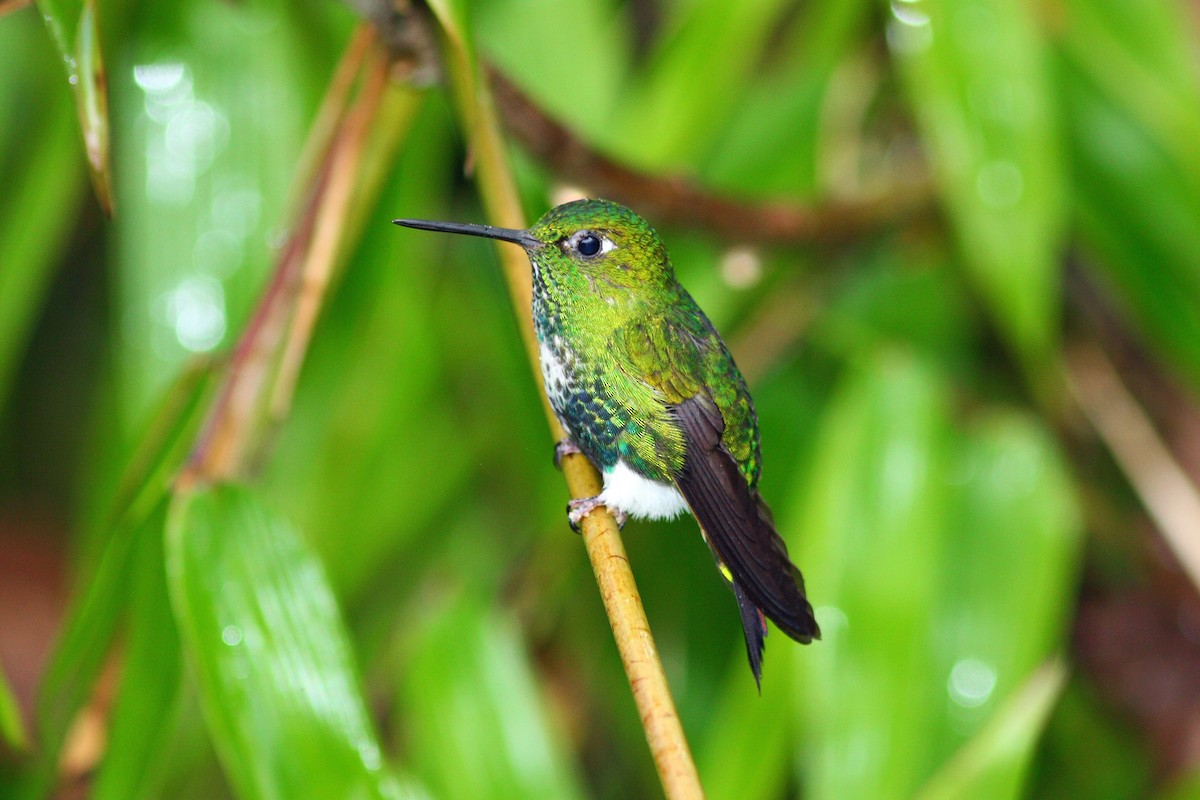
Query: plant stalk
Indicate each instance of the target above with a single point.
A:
(601, 536)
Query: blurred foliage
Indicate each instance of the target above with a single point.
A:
(391, 603)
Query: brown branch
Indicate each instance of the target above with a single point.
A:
(669, 200)
(678, 201)
(9, 6)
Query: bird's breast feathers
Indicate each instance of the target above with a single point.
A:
(557, 365)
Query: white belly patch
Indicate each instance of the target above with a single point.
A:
(640, 497)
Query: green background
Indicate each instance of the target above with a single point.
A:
(391, 602)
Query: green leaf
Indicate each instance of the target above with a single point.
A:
(477, 724)
(977, 80)
(941, 565)
(73, 27)
(145, 714)
(745, 751)
(777, 139)
(591, 66)
(41, 188)
(662, 112)
(1009, 571)
(1130, 89)
(262, 632)
(12, 729)
(138, 513)
(870, 543)
(994, 762)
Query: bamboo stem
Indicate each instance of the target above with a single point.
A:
(601, 536)
(329, 228)
(268, 354)
(635, 643)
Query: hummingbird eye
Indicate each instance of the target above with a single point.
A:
(589, 244)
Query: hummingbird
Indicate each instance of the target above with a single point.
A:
(646, 389)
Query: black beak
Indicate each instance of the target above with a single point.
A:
(487, 231)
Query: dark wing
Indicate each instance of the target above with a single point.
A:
(738, 527)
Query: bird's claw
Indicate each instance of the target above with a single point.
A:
(580, 507)
(562, 449)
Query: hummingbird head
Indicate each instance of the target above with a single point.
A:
(594, 246)
(601, 238)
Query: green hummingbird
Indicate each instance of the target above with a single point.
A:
(647, 390)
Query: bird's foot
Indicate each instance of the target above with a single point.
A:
(562, 449)
(580, 507)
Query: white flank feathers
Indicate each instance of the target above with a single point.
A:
(640, 497)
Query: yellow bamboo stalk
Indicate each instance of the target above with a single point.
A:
(601, 536)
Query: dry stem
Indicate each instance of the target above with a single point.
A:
(1169, 496)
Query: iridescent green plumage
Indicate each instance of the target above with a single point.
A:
(648, 345)
(647, 390)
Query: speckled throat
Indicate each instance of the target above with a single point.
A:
(573, 381)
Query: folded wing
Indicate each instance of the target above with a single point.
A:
(739, 528)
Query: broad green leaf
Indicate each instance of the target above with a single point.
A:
(936, 602)
(145, 714)
(870, 544)
(270, 657)
(1009, 572)
(42, 183)
(993, 763)
(666, 119)
(587, 41)
(1130, 113)
(977, 77)
(777, 139)
(477, 724)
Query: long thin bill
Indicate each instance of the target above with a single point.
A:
(487, 231)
